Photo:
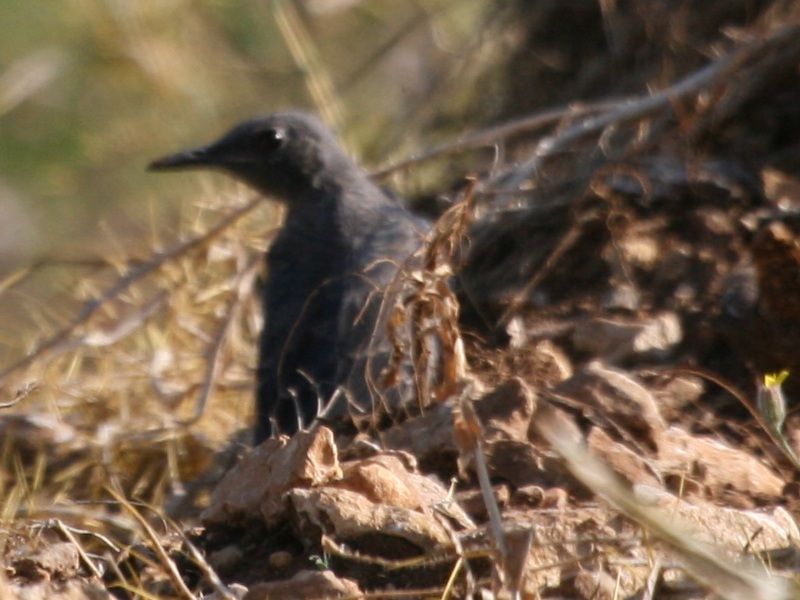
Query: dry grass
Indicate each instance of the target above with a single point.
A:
(142, 389)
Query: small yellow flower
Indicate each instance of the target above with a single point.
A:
(775, 379)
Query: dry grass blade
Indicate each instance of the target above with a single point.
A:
(65, 531)
(166, 562)
(468, 433)
(301, 45)
(208, 571)
(242, 288)
(451, 581)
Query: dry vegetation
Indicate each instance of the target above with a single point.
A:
(627, 276)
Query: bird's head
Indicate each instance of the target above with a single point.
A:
(285, 155)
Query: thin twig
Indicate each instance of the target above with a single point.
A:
(712, 73)
(243, 282)
(21, 394)
(491, 135)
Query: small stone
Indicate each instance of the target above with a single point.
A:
(225, 558)
(280, 559)
(615, 340)
(306, 584)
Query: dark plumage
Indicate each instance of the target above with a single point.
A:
(342, 240)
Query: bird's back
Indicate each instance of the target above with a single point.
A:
(324, 302)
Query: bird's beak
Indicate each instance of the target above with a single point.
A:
(188, 159)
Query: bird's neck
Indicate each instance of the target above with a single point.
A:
(337, 211)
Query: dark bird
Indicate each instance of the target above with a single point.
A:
(341, 245)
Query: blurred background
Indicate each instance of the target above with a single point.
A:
(91, 90)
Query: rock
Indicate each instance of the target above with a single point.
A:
(520, 464)
(52, 561)
(373, 528)
(620, 458)
(254, 488)
(385, 479)
(715, 465)
(727, 528)
(280, 559)
(614, 395)
(506, 411)
(553, 361)
(615, 340)
(237, 590)
(379, 496)
(473, 503)
(532, 495)
(595, 585)
(504, 429)
(428, 437)
(674, 394)
(225, 558)
(622, 297)
(305, 584)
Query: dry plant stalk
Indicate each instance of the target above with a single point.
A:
(423, 323)
(155, 543)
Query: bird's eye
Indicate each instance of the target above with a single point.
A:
(271, 139)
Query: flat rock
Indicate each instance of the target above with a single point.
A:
(614, 394)
(715, 464)
(615, 340)
(506, 411)
(74, 589)
(52, 561)
(428, 437)
(619, 457)
(305, 584)
(374, 528)
(385, 479)
(727, 528)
